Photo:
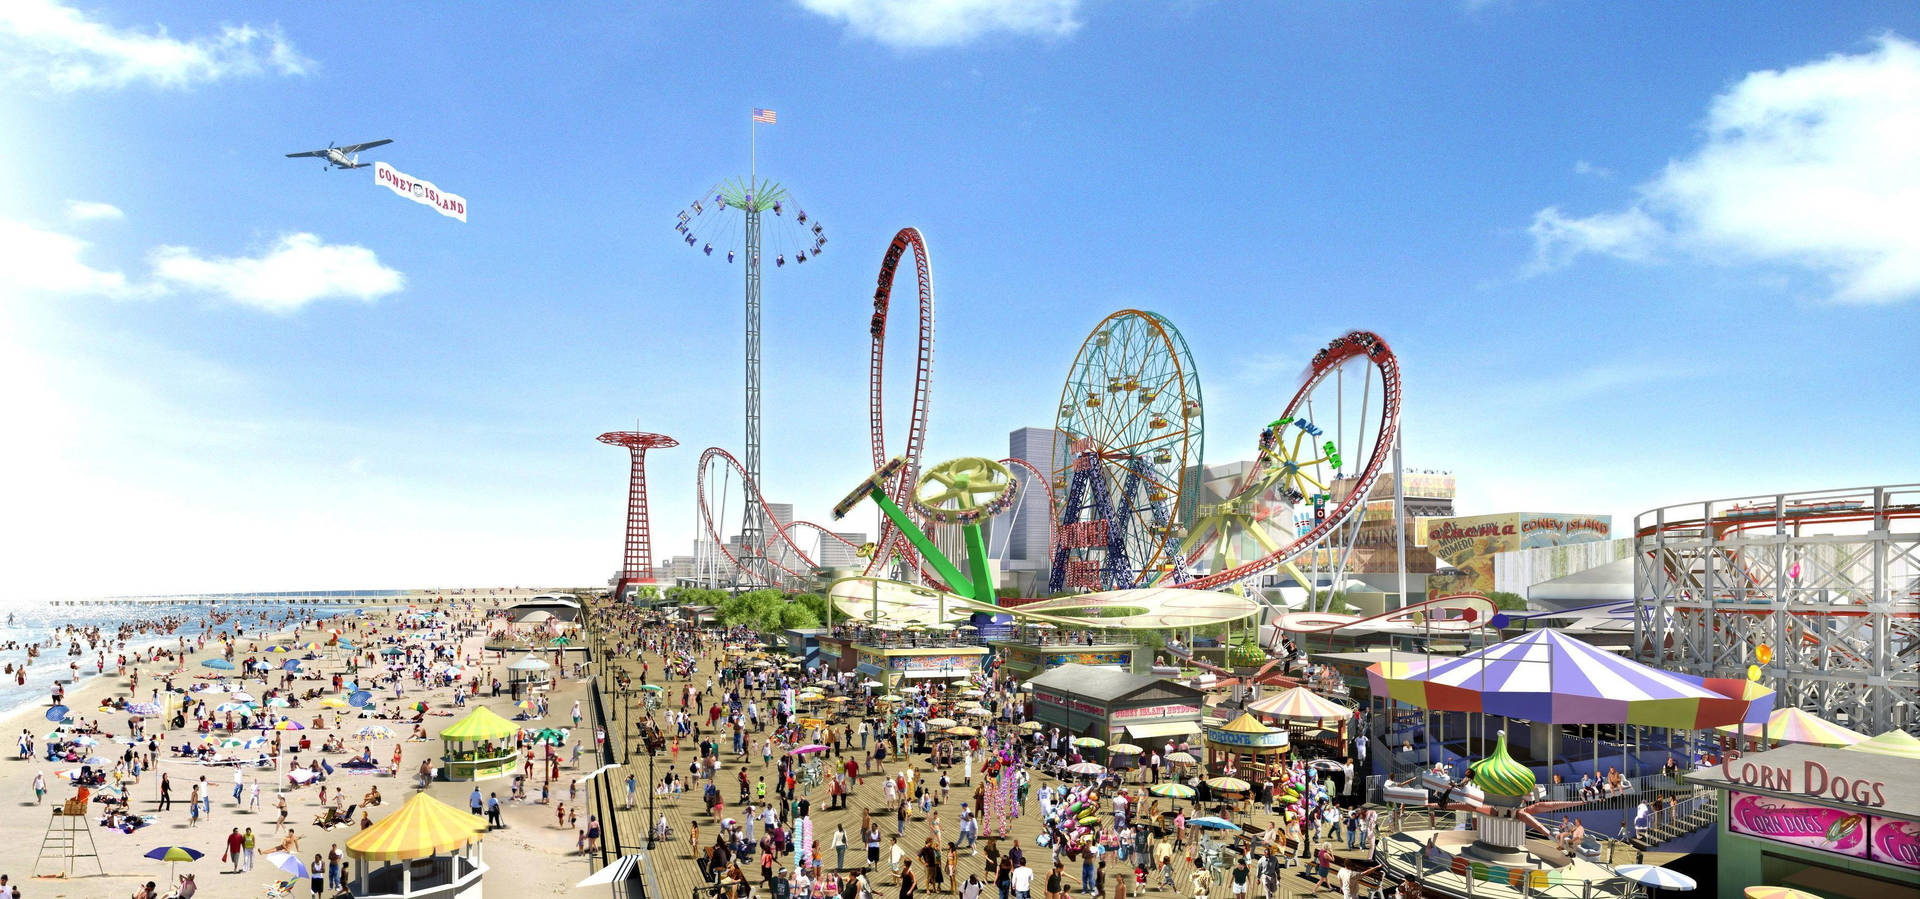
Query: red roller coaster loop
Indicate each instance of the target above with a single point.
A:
(752, 492)
(1355, 344)
(901, 488)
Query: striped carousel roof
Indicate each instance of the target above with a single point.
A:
(421, 827)
(1791, 725)
(1301, 704)
(1548, 676)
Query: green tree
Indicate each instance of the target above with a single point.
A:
(1511, 602)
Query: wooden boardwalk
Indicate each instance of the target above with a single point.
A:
(680, 877)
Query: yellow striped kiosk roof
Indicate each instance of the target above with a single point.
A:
(480, 724)
(421, 827)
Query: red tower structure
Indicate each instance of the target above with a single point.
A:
(637, 564)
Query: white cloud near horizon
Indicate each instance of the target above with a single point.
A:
(44, 40)
(299, 269)
(946, 23)
(1815, 167)
(89, 211)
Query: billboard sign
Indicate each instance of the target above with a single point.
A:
(1470, 543)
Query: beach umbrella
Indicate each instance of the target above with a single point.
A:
(220, 664)
(290, 665)
(94, 760)
(1229, 784)
(226, 707)
(277, 702)
(961, 730)
(870, 682)
(528, 706)
(836, 700)
(57, 713)
(1031, 725)
(374, 731)
(1212, 823)
(333, 702)
(892, 697)
(1126, 749)
(1182, 758)
(1172, 791)
(173, 855)
(242, 696)
(941, 722)
(288, 724)
(651, 688)
(359, 698)
(1087, 769)
(84, 740)
(978, 713)
(288, 862)
(143, 708)
(808, 749)
(1656, 877)
(1089, 742)
(417, 706)
(972, 693)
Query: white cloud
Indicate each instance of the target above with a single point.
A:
(942, 23)
(1815, 167)
(1584, 167)
(88, 211)
(298, 270)
(37, 261)
(43, 40)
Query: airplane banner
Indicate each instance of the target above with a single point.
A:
(423, 192)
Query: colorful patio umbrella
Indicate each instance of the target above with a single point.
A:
(288, 724)
(1210, 822)
(1893, 742)
(173, 855)
(1229, 784)
(333, 702)
(288, 862)
(941, 722)
(1182, 758)
(1767, 892)
(961, 730)
(1030, 725)
(1126, 749)
(808, 749)
(1172, 790)
(1549, 677)
(1087, 769)
(1089, 742)
(1791, 725)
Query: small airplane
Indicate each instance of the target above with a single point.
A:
(343, 157)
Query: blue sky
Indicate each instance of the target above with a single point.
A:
(1628, 254)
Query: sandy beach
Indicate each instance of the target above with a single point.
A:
(533, 851)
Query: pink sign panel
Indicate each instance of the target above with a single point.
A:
(1895, 842)
(1799, 824)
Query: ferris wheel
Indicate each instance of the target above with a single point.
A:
(1131, 408)
(1303, 502)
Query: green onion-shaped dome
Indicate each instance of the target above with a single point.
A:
(1500, 775)
(1246, 654)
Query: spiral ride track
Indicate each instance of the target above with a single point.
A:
(780, 561)
(893, 544)
(1266, 517)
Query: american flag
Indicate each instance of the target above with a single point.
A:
(763, 116)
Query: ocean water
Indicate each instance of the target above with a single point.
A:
(32, 623)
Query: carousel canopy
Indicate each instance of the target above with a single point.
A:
(480, 724)
(1791, 725)
(529, 663)
(1548, 676)
(1301, 704)
(1894, 742)
(421, 827)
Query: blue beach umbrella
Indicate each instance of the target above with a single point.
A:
(57, 713)
(359, 698)
(290, 665)
(221, 664)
